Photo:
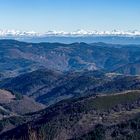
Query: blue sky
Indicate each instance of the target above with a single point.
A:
(69, 15)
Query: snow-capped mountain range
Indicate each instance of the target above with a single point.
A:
(15, 33)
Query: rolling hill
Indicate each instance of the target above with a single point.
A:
(49, 87)
(12, 104)
(19, 57)
(94, 117)
(78, 91)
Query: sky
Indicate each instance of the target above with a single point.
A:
(69, 15)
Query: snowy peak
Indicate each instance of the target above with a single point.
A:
(81, 32)
(5, 33)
